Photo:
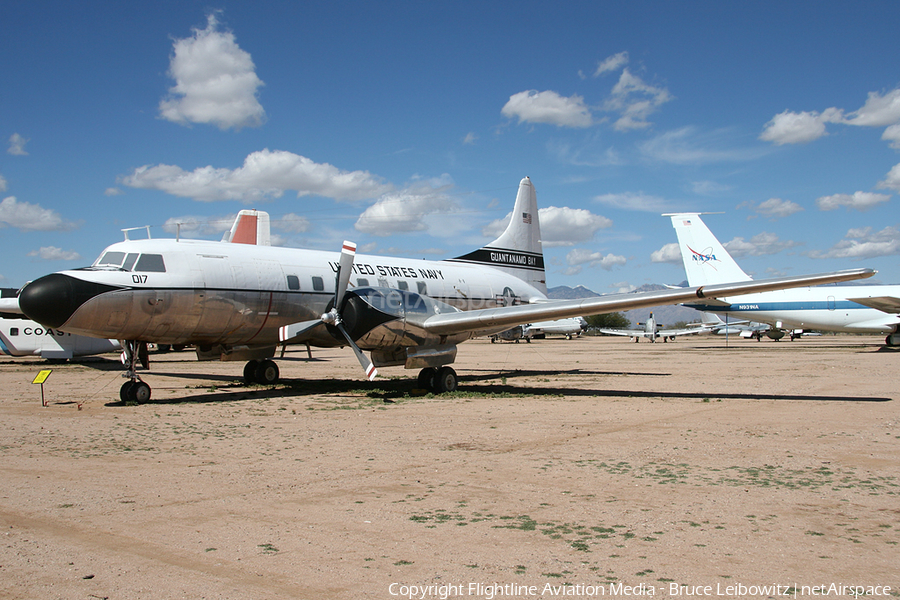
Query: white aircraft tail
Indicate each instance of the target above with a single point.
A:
(518, 249)
(705, 260)
(250, 227)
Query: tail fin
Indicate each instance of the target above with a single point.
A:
(250, 227)
(705, 260)
(518, 249)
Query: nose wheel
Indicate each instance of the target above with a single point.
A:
(134, 391)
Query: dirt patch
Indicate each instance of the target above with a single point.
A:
(594, 462)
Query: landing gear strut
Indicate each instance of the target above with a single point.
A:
(134, 390)
(438, 380)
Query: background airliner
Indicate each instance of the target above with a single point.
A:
(238, 301)
(844, 308)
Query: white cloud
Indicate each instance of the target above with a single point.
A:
(215, 81)
(878, 111)
(708, 188)
(892, 180)
(291, 223)
(563, 226)
(670, 253)
(892, 136)
(408, 209)
(265, 174)
(799, 128)
(635, 100)
(579, 257)
(17, 145)
(189, 226)
(54, 253)
(470, 139)
(859, 200)
(861, 243)
(548, 107)
(560, 226)
(634, 201)
(760, 244)
(687, 146)
(777, 208)
(31, 217)
(611, 63)
(2, 184)
(112, 191)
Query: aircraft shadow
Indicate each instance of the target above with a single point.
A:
(234, 389)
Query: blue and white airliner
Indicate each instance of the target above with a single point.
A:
(841, 308)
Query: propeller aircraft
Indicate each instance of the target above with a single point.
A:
(239, 301)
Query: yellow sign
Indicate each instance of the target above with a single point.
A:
(42, 376)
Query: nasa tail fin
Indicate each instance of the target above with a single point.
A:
(705, 260)
(250, 227)
(518, 249)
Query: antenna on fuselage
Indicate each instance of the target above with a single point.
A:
(125, 231)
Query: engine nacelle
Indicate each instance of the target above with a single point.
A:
(386, 319)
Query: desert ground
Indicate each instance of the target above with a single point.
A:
(585, 468)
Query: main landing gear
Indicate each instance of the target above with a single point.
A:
(438, 380)
(263, 372)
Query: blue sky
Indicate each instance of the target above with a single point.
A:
(407, 126)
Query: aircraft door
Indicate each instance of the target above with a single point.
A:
(830, 302)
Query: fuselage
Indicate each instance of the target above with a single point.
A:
(208, 293)
(826, 307)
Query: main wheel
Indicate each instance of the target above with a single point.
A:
(250, 371)
(267, 372)
(445, 380)
(140, 392)
(425, 380)
(125, 391)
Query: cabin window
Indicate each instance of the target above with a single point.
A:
(362, 282)
(14, 331)
(318, 284)
(151, 263)
(403, 285)
(293, 282)
(113, 259)
(423, 288)
(129, 261)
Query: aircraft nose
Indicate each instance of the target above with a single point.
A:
(53, 299)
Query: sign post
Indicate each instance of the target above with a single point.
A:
(41, 378)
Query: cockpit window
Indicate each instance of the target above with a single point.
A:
(152, 263)
(129, 261)
(112, 259)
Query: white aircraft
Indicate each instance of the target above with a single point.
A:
(235, 301)
(572, 327)
(21, 337)
(846, 308)
(652, 332)
(743, 328)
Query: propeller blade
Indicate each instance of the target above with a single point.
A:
(348, 254)
(365, 363)
(293, 330)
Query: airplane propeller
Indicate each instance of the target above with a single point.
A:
(333, 316)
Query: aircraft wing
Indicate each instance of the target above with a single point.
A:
(507, 316)
(628, 332)
(888, 304)
(671, 332)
